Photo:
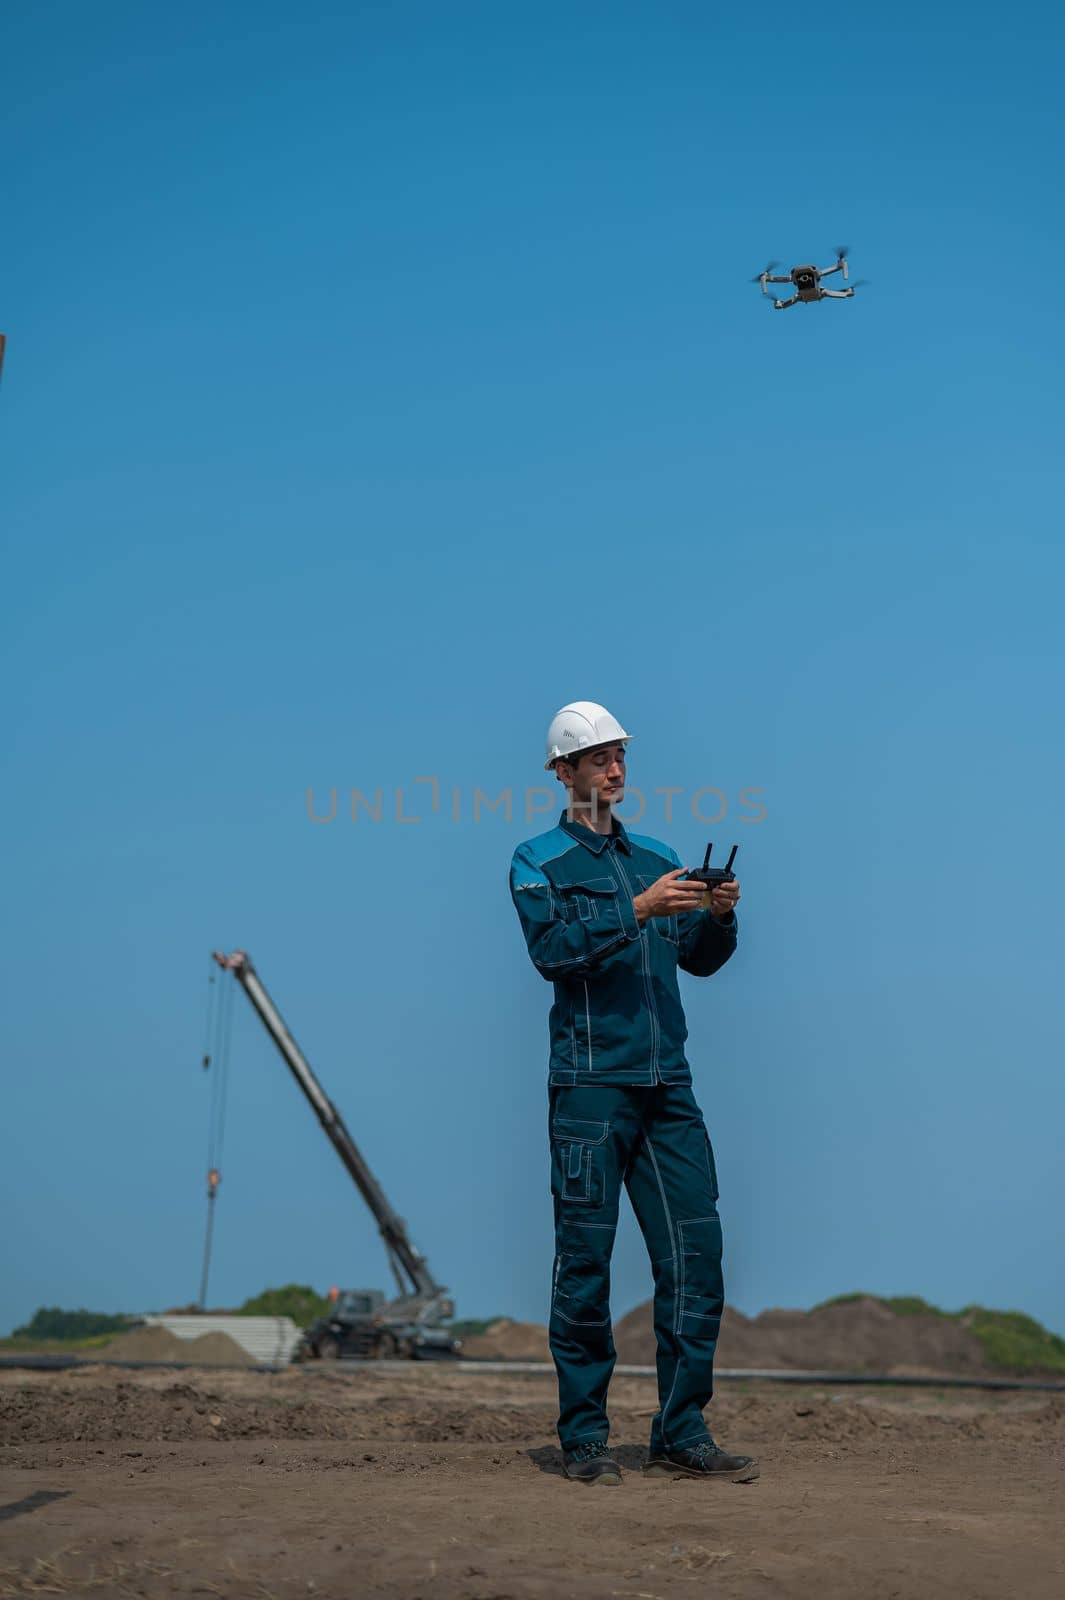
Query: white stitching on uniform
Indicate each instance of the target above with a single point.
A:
(624, 885)
(676, 1283)
(679, 1315)
(648, 984)
(624, 937)
(572, 844)
(591, 1323)
(569, 1177)
(559, 1122)
(555, 1309)
(600, 949)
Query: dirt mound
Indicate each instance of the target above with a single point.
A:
(509, 1341)
(159, 1344)
(133, 1412)
(859, 1336)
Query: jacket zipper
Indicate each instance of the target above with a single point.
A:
(652, 1010)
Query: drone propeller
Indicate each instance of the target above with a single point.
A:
(842, 252)
(770, 266)
(860, 283)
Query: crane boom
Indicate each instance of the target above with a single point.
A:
(410, 1268)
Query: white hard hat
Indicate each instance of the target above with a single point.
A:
(581, 726)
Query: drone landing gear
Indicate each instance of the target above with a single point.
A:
(836, 294)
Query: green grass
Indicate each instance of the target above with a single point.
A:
(296, 1300)
(22, 1343)
(51, 1328)
(903, 1305)
(52, 1322)
(1009, 1339)
(1013, 1341)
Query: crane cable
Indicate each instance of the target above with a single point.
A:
(217, 1034)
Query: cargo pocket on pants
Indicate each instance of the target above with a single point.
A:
(581, 1290)
(577, 1160)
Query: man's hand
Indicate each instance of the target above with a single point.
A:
(723, 898)
(670, 896)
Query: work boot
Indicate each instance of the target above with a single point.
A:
(704, 1460)
(591, 1462)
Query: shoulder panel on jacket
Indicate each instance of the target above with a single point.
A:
(643, 841)
(532, 856)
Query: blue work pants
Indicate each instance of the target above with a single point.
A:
(654, 1140)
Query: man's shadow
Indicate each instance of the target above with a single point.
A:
(629, 1457)
(32, 1502)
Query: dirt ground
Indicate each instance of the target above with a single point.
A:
(435, 1483)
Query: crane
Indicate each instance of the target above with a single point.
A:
(360, 1321)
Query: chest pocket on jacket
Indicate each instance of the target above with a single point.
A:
(665, 927)
(593, 898)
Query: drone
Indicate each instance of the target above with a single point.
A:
(807, 281)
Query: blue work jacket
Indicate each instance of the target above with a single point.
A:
(617, 1016)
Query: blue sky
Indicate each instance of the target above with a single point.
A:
(380, 378)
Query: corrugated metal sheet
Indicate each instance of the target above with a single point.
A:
(264, 1338)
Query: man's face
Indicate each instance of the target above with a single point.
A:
(598, 779)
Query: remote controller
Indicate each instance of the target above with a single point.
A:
(709, 876)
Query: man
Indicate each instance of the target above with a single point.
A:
(608, 918)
